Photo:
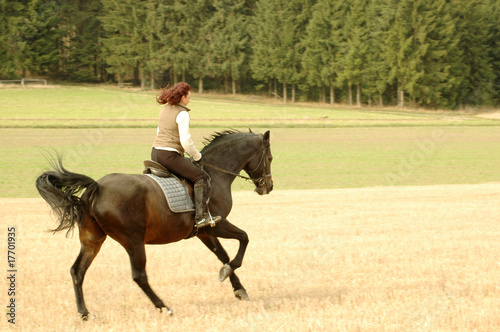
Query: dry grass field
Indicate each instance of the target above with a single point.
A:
(373, 259)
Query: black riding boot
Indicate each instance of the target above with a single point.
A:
(202, 217)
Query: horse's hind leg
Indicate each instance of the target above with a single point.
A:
(91, 239)
(216, 247)
(137, 256)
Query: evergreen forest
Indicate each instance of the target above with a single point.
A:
(437, 54)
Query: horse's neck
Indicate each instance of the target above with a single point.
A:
(228, 160)
(232, 157)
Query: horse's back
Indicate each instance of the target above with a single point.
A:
(123, 182)
(132, 206)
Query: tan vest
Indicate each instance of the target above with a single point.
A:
(168, 133)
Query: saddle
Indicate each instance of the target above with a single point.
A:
(176, 190)
(152, 167)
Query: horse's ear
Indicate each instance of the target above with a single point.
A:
(267, 135)
(250, 130)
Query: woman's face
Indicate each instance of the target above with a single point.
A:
(186, 99)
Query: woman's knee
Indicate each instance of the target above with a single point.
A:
(200, 177)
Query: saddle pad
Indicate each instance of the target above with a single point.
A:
(176, 193)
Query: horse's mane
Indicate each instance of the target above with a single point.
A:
(220, 137)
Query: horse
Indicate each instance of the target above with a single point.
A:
(132, 209)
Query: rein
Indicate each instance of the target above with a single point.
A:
(261, 181)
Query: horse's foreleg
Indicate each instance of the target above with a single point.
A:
(227, 230)
(91, 239)
(216, 247)
(137, 256)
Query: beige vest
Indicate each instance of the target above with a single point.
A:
(168, 133)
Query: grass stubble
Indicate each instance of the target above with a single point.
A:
(422, 258)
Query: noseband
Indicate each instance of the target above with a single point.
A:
(258, 181)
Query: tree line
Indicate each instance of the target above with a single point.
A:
(426, 53)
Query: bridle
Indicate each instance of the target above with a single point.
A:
(258, 181)
(262, 180)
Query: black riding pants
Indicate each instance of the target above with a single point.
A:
(178, 165)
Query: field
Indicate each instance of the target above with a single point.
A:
(381, 219)
(376, 259)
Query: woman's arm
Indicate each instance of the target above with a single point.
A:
(185, 135)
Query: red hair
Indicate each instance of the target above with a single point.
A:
(173, 95)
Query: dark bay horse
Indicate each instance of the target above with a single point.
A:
(132, 209)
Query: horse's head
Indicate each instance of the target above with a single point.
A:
(259, 167)
(230, 151)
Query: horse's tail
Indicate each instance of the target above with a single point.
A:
(60, 188)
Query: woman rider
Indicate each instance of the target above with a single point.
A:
(173, 139)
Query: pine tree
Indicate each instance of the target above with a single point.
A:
(176, 41)
(376, 76)
(264, 40)
(129, 43)
(50, 38)
(493, 15)
(354, 47)
(474, 66)
(278, 27)
(201, 56)
(301, 12)
(118, 25)
(322, 46)
(12, 25)
(230, 39)
(437, 40)
(41, 36)
(153, 29)
(79, 43)
(186, 40)
(406, 46)
(398, 46)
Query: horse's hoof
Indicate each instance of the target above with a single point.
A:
(170, 312)
(241, 294)
(225, 272)
(85, 317)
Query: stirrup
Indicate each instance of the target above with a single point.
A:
(208, 220)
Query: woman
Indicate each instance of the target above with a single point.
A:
(173, 139)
